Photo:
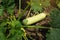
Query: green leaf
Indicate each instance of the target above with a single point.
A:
(2, 26)
(10, 9)
(6, 3)
(53, 34)
(18, 34)
(2, 36)
(35, 5)
(15, 24)
(1, 10)
(45, 3)
(55, 18)
(39, 5)
(58, 5)
(2, 30)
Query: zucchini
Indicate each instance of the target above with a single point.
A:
(34, 19)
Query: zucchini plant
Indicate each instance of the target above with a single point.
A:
(11, 28)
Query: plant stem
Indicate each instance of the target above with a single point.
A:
(33, 26)
(21, 14)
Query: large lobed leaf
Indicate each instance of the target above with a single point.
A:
(38, 5)
(54, 34)
(55, 18)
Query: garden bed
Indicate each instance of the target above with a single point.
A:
(29, 20)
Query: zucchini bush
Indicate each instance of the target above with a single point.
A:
(11, 28)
